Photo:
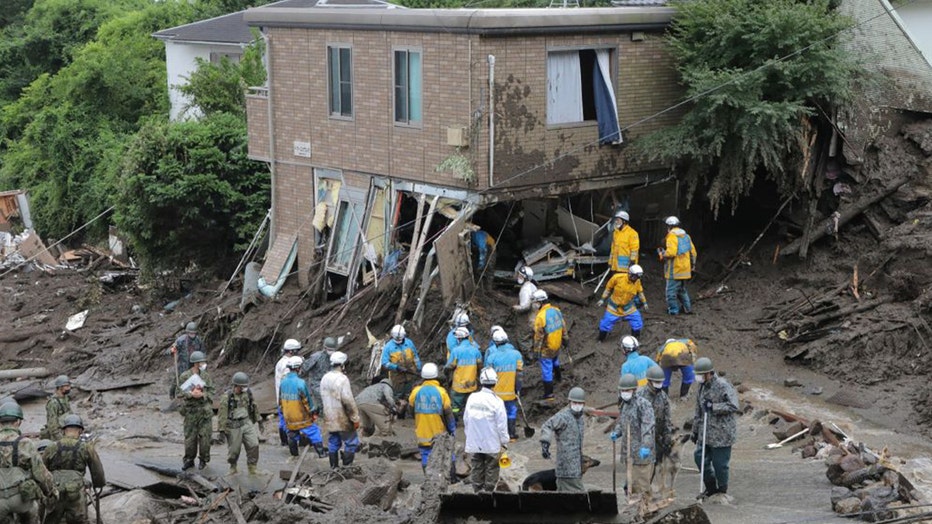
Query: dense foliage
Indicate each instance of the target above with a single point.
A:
(755, 71)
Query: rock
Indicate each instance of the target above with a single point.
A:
(742, 388)
(809, 451)
(760, 413)
(815, 390)
(848, 506)
(788, 430)
(840, 493)
(791, 382)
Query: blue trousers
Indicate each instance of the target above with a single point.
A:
(716, 466)
(281, 420)
(676, 294)
(425, 454)
(689, 376)
(311, 433)
(511, 409)
(546, 367)
(348, 439)
(609, 320)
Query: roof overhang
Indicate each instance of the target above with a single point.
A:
(492, 22)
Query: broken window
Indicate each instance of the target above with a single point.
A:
(346, 228)
(327, 183)
(407, 86)
(580, 89)
(340, 68)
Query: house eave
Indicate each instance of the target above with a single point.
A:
(485, 22)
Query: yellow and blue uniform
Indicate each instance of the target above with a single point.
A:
(678, 354)
(432, 415)
(465, 361)
(452, 341)
(298, 410)
(637, 365)
(548, 339)
(622, 298)
(508, 365)
(679, 259)
(625, 247)
(403, 364)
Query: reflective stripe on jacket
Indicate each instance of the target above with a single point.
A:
(432, 409)
(679, 256)
(625, 247)
(620, 294)
(507, 363)
(548, 330)
(465, 361)
(296, 403)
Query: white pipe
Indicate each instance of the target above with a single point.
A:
(268, 97)
(491, 120)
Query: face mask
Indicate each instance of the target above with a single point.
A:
(657, 385)
(67, 392)
(520, 280)
(203, 367)
(700, 379)
(626, 395)
(577, 407)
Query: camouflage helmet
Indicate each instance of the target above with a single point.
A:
(704, 365)
(197, 357)
(10, 411)
(577, 394)
(61, 380)
(240, 379)
(655, 373)
(628, 381)
(330, 344)
(191, 327)
(72, 420)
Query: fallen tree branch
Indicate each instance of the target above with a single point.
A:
(814, 322)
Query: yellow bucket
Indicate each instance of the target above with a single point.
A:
(504, 461)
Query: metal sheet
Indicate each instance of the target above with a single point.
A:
(453, 260)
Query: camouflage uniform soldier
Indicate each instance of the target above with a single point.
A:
(717, 402)
(635, 425)
(655, 394)
(568, 427)
(57, 407)
(68, 459)
(236, 420)
(185, 346)
(23, 477)
(197, 412)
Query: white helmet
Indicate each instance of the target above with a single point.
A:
(526, 272)
(623, 215)
(499, 336)
(461, 332)
(461, 319)
(294, 362)
(338, 358)
(539, 296)
(494, 329)
(291, 345)
(671, 221)
(398, 332)
(429, 371)
(636, 270)
(488, 377)
(629, 343)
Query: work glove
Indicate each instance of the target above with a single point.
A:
(613, 436)
(707, 406)
(54, 495)
(644, 306)
(694, 437)
(545, 450)
(643, 453)
(451, 428)
(355, 426)
(600, 303)
(686, 438)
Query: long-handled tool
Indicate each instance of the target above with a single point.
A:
(528, 430)
(614, 467)
(602, 280)
(787, 439)
(294, 473)
(629, 486)
(97, 502)
(705, 425)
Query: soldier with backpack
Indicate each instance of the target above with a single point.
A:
(24, 479)
(236, 420)
(68, 459)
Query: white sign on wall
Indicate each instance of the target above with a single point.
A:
(302, 149)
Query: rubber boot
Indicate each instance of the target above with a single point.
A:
(602, 335)
(684, 390)
(188, 464)
(348, 458)
(253, 469)
(548, 391)
(233, 470)
(557, 374)
(636, 333)
(283, 436)
(293, 447)
(512, 429)
(320, 449)
(334, 460)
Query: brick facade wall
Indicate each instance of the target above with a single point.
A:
(257, 107)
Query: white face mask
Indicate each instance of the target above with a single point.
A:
(626, 395)
(203, 367)
(576, 407)
(657, 385)
(700, 379)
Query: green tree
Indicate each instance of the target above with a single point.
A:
(757, 74)
(188, 194)
(221, 87)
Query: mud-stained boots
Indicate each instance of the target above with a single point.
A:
(602, 335)
(334, 460)
(636, 333)
(188, 464)
(283, 436)
(548, 391)
(293, 446)
(512, 429)
(557, 374)
(320, 449)
(684, 390)
(348, 458)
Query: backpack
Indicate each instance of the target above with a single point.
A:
(11, 475)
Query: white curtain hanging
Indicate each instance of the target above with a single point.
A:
(602, 57)
(564, 88)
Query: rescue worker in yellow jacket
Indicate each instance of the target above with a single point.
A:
(508, 366)
(622, 296)
(625, 244)
(465, 361)
(432, 411)
(679, 256)
(548, 340)
(677, 354)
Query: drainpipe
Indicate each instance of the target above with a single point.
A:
(491, 120)
(268, 96)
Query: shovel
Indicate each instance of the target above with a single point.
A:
(787, 439)
(528, 430)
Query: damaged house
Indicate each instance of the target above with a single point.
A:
(396, 132)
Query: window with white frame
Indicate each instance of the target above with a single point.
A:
(580, 88)
(340, 73)
(407, 81)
